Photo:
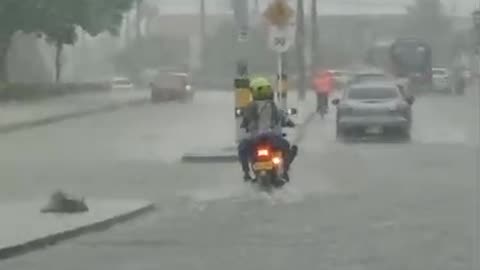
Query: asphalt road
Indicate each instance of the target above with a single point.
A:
(364, 205)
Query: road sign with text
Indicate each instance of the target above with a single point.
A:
(280, 39)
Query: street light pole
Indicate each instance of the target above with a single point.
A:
(202, 23)
(241, 81)
(241, 16)
(300, 47)
(314, 44)
(476, 247)
(138, 18)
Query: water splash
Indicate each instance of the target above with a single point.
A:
(243, 193)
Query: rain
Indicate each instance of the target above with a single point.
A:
(124, 124)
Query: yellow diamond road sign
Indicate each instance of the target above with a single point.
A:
(279, 13)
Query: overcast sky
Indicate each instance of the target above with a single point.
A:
(462, 7)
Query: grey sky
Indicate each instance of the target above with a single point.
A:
(461, 7)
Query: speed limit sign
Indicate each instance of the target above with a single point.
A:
(280, 39)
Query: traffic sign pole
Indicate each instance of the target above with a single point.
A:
(279, 76)
(282, 97)
(241, 81)
(279, 14)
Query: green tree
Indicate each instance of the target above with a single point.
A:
(60, 19)
(57, 20)
(98, 16)
(58, 24)
(15, 15)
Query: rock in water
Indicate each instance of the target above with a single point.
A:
(60, 202)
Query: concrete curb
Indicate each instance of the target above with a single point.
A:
(50, 240)
(62, 117)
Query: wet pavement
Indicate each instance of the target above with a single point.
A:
(363, 205)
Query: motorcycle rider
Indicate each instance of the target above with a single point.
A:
(263, 119)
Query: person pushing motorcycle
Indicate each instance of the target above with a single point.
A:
(263, 119)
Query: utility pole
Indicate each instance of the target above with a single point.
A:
(241, 81)
(314, 44)
(476, 27)
(476, 93)
(202, 24)
(300, 47)
(138, 20)
(279, 15)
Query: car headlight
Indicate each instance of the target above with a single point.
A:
(188, 87)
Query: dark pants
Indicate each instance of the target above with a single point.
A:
(246, 150)
(322, 101)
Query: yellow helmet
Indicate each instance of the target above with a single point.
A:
(261, 88)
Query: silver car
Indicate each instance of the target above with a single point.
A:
(441, 80)
(374, 108)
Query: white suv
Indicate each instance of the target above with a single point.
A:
(121, 83)
(441, 80)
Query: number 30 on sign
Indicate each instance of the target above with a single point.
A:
(280, 39)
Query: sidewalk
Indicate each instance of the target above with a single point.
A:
(20, 115)
(24, 228)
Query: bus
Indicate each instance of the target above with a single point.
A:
(408, 58)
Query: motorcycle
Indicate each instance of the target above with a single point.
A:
(267, 163)
(267, 166)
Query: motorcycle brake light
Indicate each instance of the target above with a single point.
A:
(263, 152)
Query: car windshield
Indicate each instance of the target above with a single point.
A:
(372, 93)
